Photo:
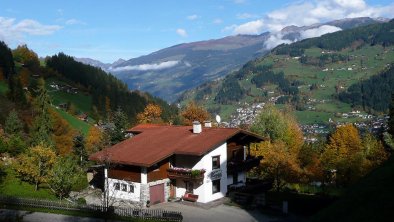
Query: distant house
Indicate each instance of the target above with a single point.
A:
(194, 163)
(83, 117)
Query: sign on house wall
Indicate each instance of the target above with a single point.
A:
(216, 174)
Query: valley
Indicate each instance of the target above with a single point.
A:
(318, 76)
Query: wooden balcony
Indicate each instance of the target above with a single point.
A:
(243, 165)
(185, 173)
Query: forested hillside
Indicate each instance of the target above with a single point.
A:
(373, 93)
(108, 93)
(320, 77)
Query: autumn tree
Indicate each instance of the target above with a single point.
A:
(94, 140)
(62, 134)
(344, 155)
(281, 149)
(374, 152)
(278, 164)
(63, 176)
(42, 124)
(151, 114)
(27, 57)
(35, 164)
(24, 76)
(193, 112)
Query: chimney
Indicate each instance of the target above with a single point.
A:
(207, 124)
(197, 127)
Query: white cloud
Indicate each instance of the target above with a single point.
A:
(74, 22)
(275, 40)
(310, 33)
(181, 32)
(192, 17)
(245, 16)
(250, 28)
(146, 67)
(304, 13)
(12, 31)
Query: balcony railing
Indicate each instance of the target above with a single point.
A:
(243, 165)
(185, 173)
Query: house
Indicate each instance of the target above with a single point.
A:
(162, 162)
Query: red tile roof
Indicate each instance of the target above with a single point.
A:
(155, 143)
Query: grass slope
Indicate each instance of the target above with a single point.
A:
(75, 122)
(81, 101)
(363, 63)
(371, 199)
(11, 185)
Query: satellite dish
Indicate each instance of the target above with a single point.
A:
(218, 119)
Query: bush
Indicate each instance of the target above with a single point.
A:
(80, 183)
(81, 201)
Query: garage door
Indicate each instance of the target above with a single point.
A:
(157, 193)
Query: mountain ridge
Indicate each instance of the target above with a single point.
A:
(168, 72)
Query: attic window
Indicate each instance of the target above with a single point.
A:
(216, 162)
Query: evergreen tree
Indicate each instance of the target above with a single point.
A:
(42, 124)
(13, 125)
(79, 148)
(119, 121)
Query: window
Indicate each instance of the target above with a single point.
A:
(124, 187)
(215, 186)
(117, 186)
(131, 188)
(216, 162)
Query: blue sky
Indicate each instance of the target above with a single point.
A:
(108, 30)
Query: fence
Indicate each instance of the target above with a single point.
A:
(97, 210)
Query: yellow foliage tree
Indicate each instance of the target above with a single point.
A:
(374, 152)
(94, 140)
(35, 165)
(151, 114)
(278, 164)
(344, 155)
(62, 134)
(26, 56)
(281, 149)
(193, 112)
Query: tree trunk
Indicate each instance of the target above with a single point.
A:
(36, 187)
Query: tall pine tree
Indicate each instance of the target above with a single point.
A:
(42, 124)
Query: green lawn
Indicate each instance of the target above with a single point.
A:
(81, 101)
(311, 117)
(75, 122)
(10, 185)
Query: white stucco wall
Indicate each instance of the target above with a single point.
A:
(203, 188)
(135, 196)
